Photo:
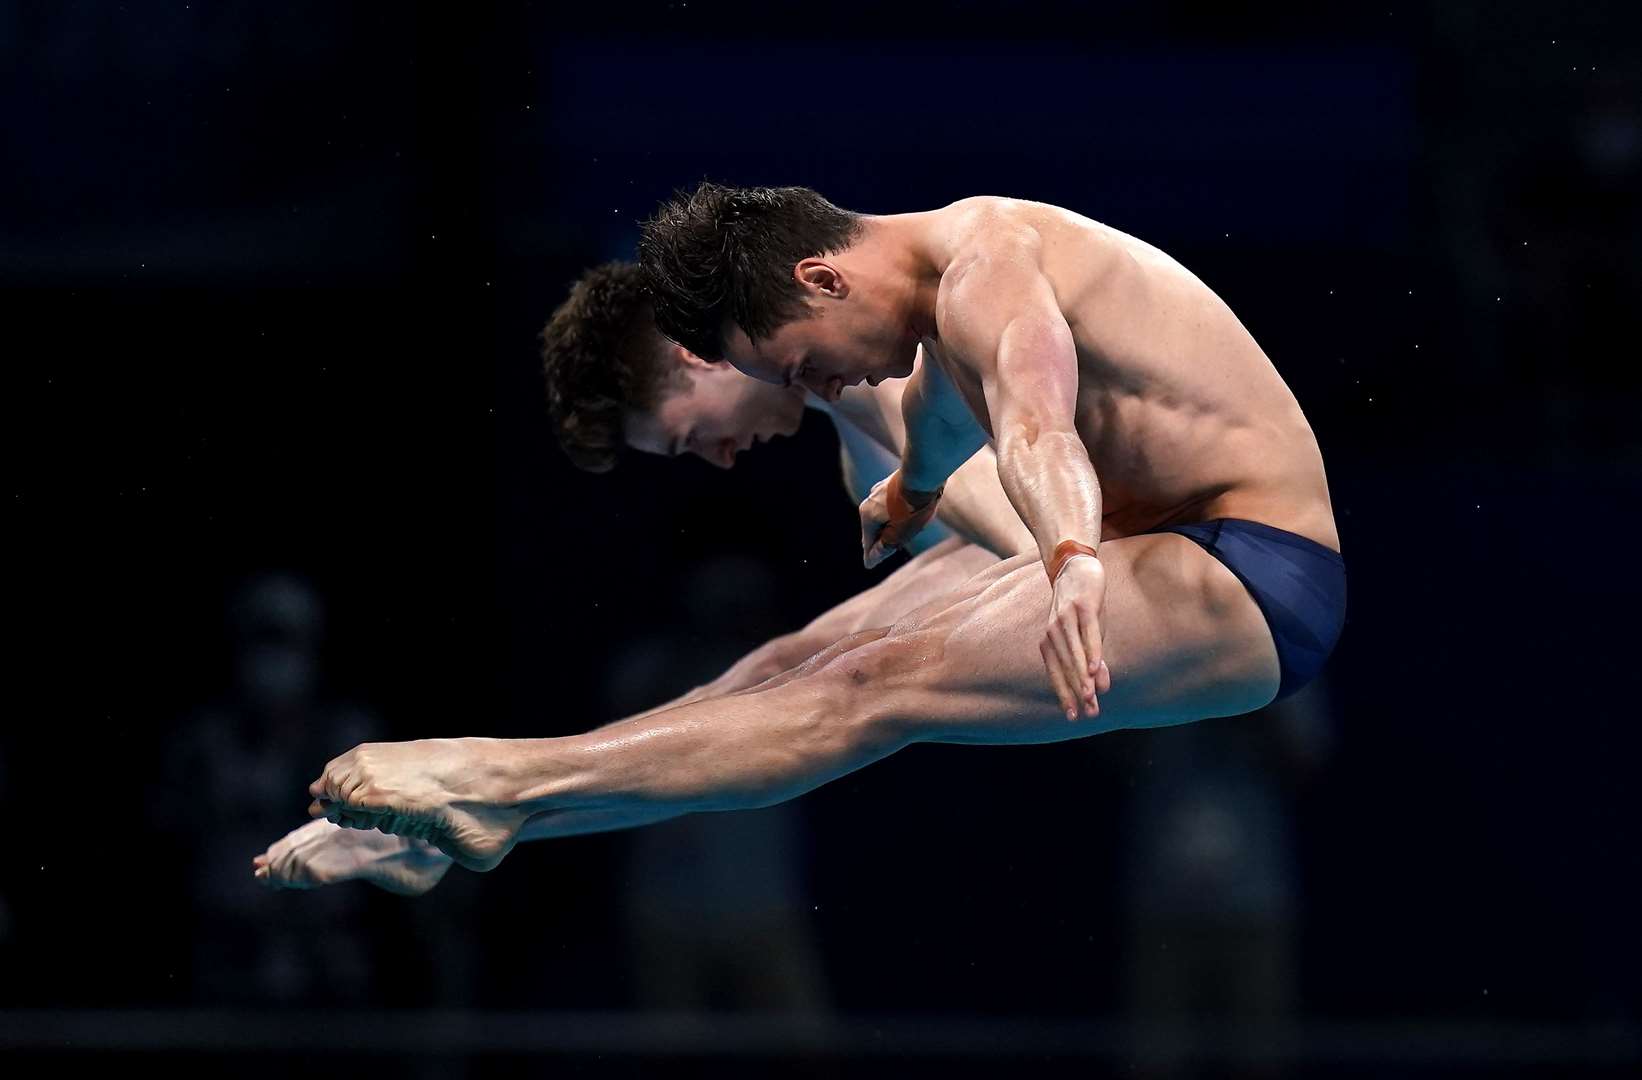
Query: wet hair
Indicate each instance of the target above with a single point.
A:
(602, 357)
(721, 255)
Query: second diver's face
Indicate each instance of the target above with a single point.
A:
(849, 337)
(714, 412)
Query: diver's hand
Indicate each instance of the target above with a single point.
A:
(1072, 643)
(892, 515)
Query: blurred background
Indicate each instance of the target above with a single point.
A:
(280, 480)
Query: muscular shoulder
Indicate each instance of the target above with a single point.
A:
(994, 251)
(1011, 248)
(987, 227)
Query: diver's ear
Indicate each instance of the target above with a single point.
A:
(821, 276)
(687, 359)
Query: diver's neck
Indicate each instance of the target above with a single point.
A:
(902, 244)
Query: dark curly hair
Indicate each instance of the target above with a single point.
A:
(602, 357)
(721, 255)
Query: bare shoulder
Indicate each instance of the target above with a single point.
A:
(1015, 239)
(993, 219)
(984, 226)
(996, 246)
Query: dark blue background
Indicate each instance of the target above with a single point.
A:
(273, 274)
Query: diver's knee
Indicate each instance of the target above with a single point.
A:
(863, 676)
(849, 643)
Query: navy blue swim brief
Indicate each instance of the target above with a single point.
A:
(1299, 584)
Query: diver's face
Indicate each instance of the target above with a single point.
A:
(853, 334)
(714, 413)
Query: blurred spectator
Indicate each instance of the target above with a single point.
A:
(715, 901)
(236, 776)
(1212, 882)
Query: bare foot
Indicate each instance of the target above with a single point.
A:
(322, 853)
(442, 791)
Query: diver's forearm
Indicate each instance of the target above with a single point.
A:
(977, 509)
(1051, 482)
(935, 444)
(932, 455)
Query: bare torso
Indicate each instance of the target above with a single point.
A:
(1184, 416)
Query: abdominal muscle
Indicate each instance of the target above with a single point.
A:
(1184, 417)
(1160, 464)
